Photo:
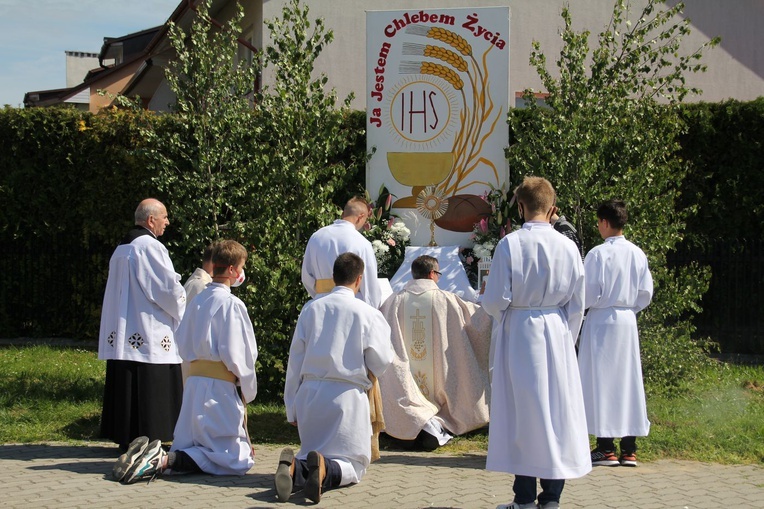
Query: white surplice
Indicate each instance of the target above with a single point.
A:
(535, 291)
(440, 368)
(326, 245)
(618, 286)
(196, 282)
(142, 305)
(337, 341)
(210, 428)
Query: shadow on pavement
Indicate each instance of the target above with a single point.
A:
(475, 461)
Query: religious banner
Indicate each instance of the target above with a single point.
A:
(436, 106)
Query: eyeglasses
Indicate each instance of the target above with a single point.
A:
(438, 273)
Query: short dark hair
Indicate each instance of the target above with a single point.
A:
(614, 212)
(207, 254)
(422, 266)
(347, 267)
(226, 254)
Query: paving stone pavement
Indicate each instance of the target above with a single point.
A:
(66, 476)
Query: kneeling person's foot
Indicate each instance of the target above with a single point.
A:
(316, 476)
(125, 461)
(149, 464)
(284, 477)
(427, 441)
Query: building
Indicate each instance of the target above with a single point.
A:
(735, 68)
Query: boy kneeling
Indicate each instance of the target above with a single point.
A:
(217, 339)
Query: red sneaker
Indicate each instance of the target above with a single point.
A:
(628, 459)
(604, 458)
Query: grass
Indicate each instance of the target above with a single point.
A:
(50, 394)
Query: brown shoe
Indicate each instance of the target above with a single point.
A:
(316, 476)
(284, 475)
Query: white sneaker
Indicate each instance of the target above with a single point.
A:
(550, 505)
(515, 505)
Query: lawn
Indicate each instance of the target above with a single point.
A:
(50, 394)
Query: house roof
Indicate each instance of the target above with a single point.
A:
(114, 47)
(155, 51)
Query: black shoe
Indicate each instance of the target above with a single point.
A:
(427, 442)
(316, 475)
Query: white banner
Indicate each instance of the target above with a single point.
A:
(437, 98)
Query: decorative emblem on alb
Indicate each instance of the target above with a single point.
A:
(166, 343)
(111, 337)
(136, 340)
(418, 343)
(421, 380)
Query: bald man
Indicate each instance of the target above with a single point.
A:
(342, 236)
(142, 306)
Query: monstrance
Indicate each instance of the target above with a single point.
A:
(432, 205)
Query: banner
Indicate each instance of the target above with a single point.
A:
(436, 105)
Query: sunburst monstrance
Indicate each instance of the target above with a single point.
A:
(431, 204)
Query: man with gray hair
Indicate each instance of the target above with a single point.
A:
(142, 306)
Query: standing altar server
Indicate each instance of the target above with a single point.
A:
(618, 286)
(535, 291)
(142, 306)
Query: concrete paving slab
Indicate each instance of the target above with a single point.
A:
(67, 476)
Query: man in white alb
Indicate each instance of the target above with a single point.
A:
(618, 286)
(217, 340)
(342, 236)
(142, 307)
(535, 292)
(338, 343)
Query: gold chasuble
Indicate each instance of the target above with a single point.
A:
(417, 336)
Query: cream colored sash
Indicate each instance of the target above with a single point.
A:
(211, 369)
(324, 285)
(417, 336)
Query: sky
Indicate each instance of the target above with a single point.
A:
(35, 34)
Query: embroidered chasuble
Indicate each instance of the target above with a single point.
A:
(440, 367)
(418, 339)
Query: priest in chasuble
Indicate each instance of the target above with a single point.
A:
(438, 383)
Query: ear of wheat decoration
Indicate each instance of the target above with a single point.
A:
(470, 138)
(431, 204)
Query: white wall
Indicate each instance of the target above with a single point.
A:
(735, 68)
(78, 64)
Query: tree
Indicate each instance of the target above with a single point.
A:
(255, 166)
(609, 130)
(202, 152)
(300, 136)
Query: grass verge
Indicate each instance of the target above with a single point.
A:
(50, 394)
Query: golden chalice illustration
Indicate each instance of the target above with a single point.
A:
(418, 169)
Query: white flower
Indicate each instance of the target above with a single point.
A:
(379, 247)
(483, 250)
(399, 229)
